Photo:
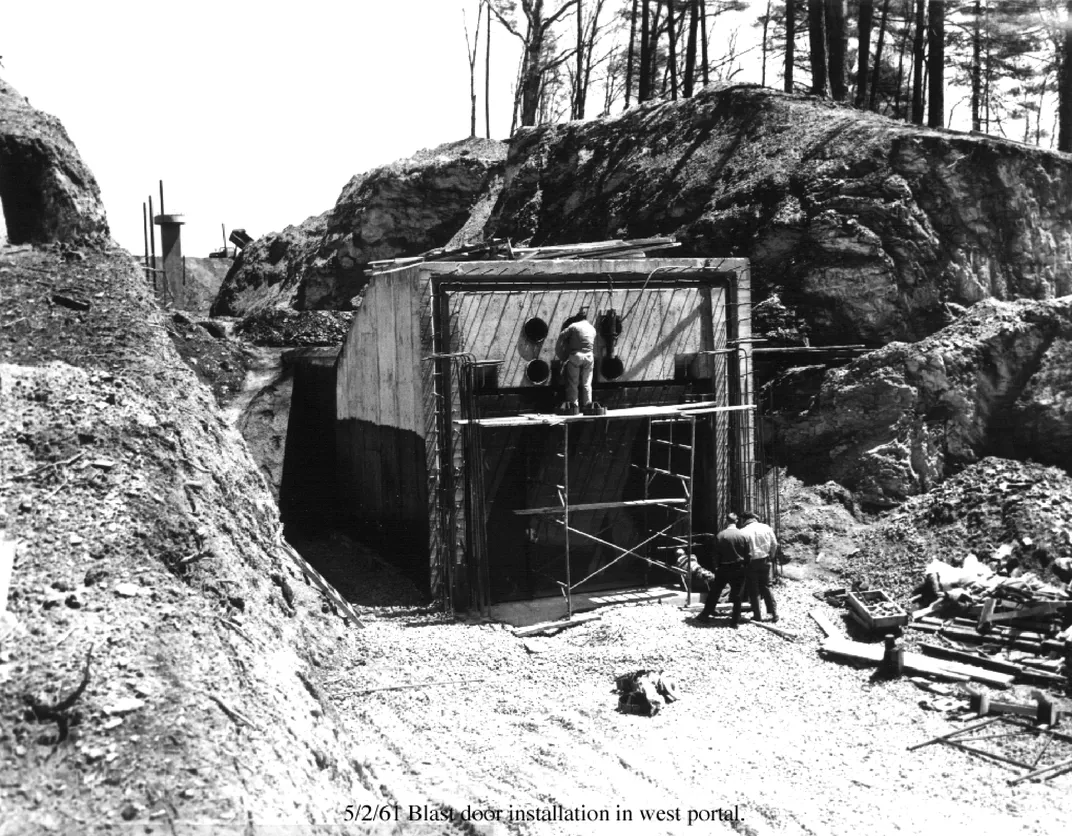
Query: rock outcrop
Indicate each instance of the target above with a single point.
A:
(400, 209)
(867, 227)
(896, 421)
(48, 193)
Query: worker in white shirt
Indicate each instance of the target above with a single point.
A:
(764, 547)
(575, 348)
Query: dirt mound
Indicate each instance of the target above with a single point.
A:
(864, 225)
(48, 193)
(404, 208)
(1019, 511)
(894, 422)
(146, 540)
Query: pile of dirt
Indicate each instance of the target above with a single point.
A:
(401, 209)
(147, 542)
(1020, 512)
(220, 363)
(292, 329)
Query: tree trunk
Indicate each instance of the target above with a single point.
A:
(872, 102)
(1064, 89)
(977, 66)
(918, 58)
(936, 63)
(817, 40)
(487, 77)
(578, 87)
(690, 51)
(644, 88)
(705, 74)
(837, 45)
(900, 66)
(867, 11)
(653, 46)
(790, 39)
(764, 46)
(632, 54)
(671, 34)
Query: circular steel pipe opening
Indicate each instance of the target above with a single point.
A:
(535, 329)
(538, 371)
(611, 368)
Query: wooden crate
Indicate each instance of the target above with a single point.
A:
(875, 609)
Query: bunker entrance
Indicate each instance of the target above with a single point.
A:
(307, 494)
(21, 175)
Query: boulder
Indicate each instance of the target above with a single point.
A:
(869, 229)
(48, 193)
(896, 421)
(400, 209)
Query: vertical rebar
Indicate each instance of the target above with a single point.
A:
(145, 236)
(690, 491)
(152, 246)
(565, 514)
(162, 197)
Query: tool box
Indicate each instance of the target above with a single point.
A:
(875, 611)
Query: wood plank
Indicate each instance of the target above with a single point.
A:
(406, 364)
(914, 662)
(598, 506)
(825, 624)
(939, 652)
(555, 626)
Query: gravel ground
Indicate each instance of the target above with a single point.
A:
(794, 743)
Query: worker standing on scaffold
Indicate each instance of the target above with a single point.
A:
(575, 348)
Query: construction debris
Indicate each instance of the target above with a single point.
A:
(1034, 744)
(644, 692)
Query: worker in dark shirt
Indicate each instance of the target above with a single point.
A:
(733, 550)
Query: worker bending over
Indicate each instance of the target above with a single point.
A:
(575, 348)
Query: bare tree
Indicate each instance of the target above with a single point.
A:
(918, 58)
(837, 44)
(487, 75)
(689, 80)
(471, 50)
(875, 74)
(1064, 88)
(631, 54)
(536, 62)
(790, 42)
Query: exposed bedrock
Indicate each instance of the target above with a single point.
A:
(48, 194)
(898, 420)
(401, 209)
(866, 227)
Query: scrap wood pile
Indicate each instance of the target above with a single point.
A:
(987, 628)
(982, 615)
(498, 249)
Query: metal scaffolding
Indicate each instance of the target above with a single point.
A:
(679, 470)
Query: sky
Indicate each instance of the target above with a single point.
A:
(254, 115)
